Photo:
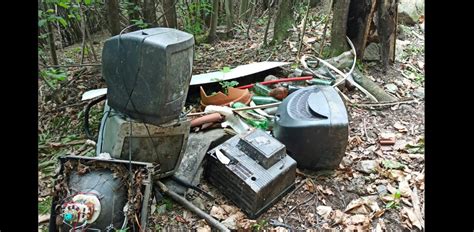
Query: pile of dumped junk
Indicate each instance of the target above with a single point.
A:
(243, 130)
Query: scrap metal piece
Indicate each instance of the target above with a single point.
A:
(190, 168)
(239, 71)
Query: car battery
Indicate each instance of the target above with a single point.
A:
(252, 170)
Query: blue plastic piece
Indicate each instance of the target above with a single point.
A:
(68, 217)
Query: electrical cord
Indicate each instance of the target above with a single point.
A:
(129, 100)
(86, 117)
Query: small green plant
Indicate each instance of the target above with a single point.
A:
(44, 138)
(419, 78)
(45, 206)
(168, 203)
(390, 164)
(360, 65)
(225, 69)
(419, 147)
(158, 227)
(53, 76)
(395, 203)
(260, 225)
(262, 20)
(227, 84)
(139, 23)
(193, 21)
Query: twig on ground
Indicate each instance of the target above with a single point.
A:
(365, 130)
(298, 205)
(296, 189)
(340, 194)
(70, 65)
(385, 103)
(72, 143)
(315, 207)
(85, 151)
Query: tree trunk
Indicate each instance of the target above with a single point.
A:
(283, 21)
(169, 7)
(361, 14)
(265, 4)
(339, 27)
(52, 47)
(254, 5)
(206, 18)
(212, 31)
(83, 28)
(243, 8)
(303, 30)
(270, 15)
(149, 12)
(228, 18)
(386, 28)
(91, 43)
(112, 7)
(314, 3)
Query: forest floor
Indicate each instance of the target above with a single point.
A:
(376, 187)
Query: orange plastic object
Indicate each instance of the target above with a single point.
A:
(219, 99)
(214, 117)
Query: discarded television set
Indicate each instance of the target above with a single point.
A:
(251, 169)
(164, 144)
(313, 124)
(148, 73)
(92, 194)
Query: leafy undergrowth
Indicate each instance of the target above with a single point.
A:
(377, 187)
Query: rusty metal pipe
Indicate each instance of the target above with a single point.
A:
(188, 205)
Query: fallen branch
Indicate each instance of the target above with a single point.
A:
(70, 65)
(298, 205)
(83, 153)
(72, 143)
(294, 190)
(385, 103)
(372, 87)
(344, 96)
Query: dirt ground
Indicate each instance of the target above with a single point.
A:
(376, 187)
